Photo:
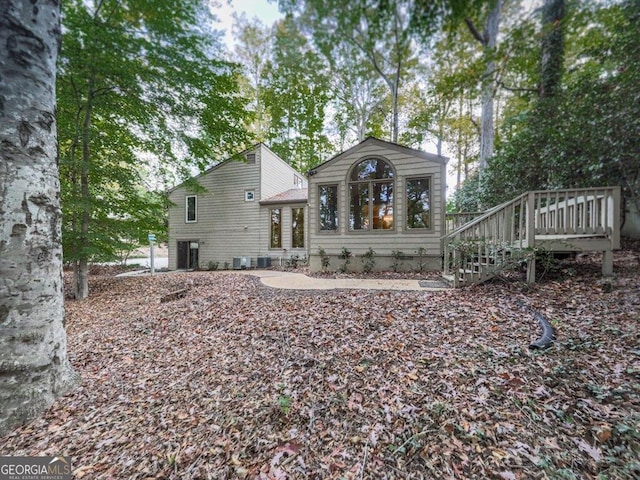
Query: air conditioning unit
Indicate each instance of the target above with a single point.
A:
(240, 263)
(264, 262)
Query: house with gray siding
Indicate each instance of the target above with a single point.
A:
(245, 209)
(376, 195)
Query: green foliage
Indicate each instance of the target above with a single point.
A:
(294, 261)
(324, 258)
(373, 44)
(140, 95)
(397, 256)
(285, 400)
(368, 260)
(284, 404)
(213, 265)
(422, 265)
(345, 255)
(296, 96)
(252, 51)
(585, 134)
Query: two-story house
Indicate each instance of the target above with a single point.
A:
(376, 195)
(248, 209)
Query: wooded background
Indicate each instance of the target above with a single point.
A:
(520, 95)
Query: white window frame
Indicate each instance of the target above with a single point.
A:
(249, 193)
(186, 209)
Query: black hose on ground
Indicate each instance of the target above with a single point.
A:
(548, 333)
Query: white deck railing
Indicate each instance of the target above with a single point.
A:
(475, 250)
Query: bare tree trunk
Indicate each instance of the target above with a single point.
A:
(489, 40)
(82, 265)
(34, 368)
(394, 127)
(551, 68)
(487, 135)
(551, 61)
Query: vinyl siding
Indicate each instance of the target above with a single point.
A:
(405, 166)
(227, 226)
(277, 176)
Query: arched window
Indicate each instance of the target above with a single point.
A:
(371, 186)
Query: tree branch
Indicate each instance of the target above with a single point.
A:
(474, 31)
(514, 89)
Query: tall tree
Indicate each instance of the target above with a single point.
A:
(34, 368)
(378, 29)
(138, 80)
(252, 51)
(488, 38)
(451, 82)
(581, 129)
(359, 95)
(296, 97)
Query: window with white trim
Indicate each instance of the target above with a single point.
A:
(249, 195)
(191, 209)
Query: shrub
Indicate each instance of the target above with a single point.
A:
(346, 256)
(368, 261)
(324, 258)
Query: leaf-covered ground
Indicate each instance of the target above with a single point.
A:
(236, 380)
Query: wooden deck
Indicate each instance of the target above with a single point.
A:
(556, 221)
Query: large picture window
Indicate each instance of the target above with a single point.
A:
(328, 207)
(371, 187)
(276, 228)
(191, 206)
(419, 202)
(297, 228)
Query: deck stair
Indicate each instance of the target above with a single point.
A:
(572, 220)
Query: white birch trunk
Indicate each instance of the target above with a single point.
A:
(34, 368)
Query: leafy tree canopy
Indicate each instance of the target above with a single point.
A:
(141, 91)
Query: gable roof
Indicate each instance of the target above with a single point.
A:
(219, 164)
(233, 158)
(383, 144)
(295, 195)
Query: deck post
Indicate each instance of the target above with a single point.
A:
(607, 263)
(531, 269)
(615, 230)
(530, 225)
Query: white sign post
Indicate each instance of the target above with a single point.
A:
(152, 239)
